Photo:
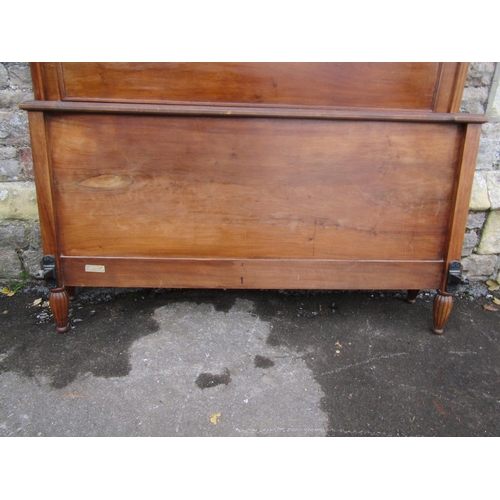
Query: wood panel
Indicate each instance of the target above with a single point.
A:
(451, 87)
(299, 274)
(149, 186)
(46, 81)
(413, 86)
(43, 183)
(462, 193)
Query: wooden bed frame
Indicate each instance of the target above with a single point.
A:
(252, 175)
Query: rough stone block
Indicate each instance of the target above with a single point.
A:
(18, 201)
(480, 74)
(495, 111)
(487, 157)
(4, 77)
(10, 170)
(26, 161)
(479, 198)
(10, 265)
(14, 128)
(8, 153)
(4, 129)
(13, 235)
(479, 266)
(490, 239)
(493, 183)
(10, 99)
(35, 236)
(470, 241)
(476, 220)
(474, 100)
(31, 260)
(21, 247)
(20, 75)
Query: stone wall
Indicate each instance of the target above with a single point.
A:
(20, 244)
(481, 251)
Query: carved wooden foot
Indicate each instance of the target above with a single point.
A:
(412, 295)
(443, 303)
(59, 304)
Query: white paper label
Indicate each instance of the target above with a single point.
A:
(94, 269)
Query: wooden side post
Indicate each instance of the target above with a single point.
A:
(443, 302)
(59, 299)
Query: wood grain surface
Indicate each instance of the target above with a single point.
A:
(252, 175)
(246, 188)
(361, 114)
(430, 86)
(293, 274)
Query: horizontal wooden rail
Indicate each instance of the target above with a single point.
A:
(247, 112)
(290, 274)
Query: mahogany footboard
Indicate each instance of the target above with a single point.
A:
(170, 195)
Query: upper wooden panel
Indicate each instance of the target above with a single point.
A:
(434, 87)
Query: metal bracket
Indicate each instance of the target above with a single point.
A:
(48, 273)
(455, 278)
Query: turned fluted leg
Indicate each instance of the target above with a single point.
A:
(412, 295)
(59, 304)
(443, 303)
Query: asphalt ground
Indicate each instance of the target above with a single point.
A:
(140, 368)
(196, 363)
